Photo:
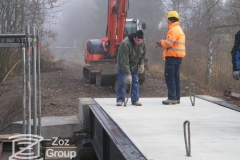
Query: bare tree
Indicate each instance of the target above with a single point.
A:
(14, 16)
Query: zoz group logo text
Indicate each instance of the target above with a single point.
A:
(60, 149)
(29, 148)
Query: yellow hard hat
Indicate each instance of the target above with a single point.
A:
(173, 14)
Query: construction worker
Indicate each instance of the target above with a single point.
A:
(173, 52)
(130, 61)
(236, 56)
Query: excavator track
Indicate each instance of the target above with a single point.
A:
(106, 76)
(102, 72)
(88, 75)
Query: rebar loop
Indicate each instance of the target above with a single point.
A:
(187, 140)
(129, 95)
(192, 93)
(125, 93)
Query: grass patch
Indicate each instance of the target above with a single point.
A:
(156, 70)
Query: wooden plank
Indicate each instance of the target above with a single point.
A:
(5, 137)
(233, 95)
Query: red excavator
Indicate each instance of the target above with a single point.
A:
(99, 53)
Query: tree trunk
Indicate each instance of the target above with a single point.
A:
(209, 62)
(208, 23)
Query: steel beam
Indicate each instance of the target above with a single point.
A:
(108, 140)
(11, 45)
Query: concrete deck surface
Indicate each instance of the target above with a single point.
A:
(157, 129)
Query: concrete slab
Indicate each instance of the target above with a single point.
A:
(63, 126)
(157, 129)
(56, 126)
(83, 111)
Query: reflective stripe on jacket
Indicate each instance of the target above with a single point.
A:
(174, 44)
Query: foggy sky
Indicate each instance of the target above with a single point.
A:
(74, 24)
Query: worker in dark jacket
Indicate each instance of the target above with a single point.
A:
(173, 52)
(130, 62)
(236, 56)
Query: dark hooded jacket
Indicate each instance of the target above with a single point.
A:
(129, 55)
(236, 52)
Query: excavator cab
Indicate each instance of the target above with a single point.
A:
(132, 25)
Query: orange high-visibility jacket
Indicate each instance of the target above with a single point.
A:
(174, 44)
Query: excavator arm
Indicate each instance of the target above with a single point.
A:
(117, 13)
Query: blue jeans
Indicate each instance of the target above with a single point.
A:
(121, 88)
(172, 77)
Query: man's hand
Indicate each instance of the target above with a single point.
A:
(141, 68)
(236, 74)
(129, 79)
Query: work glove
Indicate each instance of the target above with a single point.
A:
(141, 68)
(129, 79)
(236, 74)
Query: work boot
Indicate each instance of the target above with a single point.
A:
(119, 103)
(137, 103)
(168, 101)
(178, 101)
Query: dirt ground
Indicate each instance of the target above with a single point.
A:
(62, 86)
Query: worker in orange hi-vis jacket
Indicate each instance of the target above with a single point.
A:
(173, 52)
